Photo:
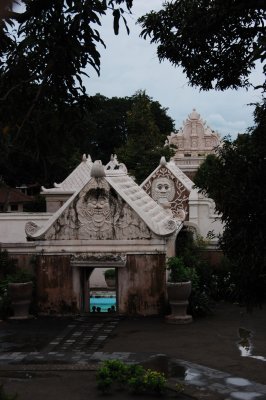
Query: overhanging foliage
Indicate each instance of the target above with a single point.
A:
(235, 179)
(215, 42)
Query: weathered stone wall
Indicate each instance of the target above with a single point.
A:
(23, 261)
(12, 225)
(141, 285)
(54, 285)
(98, 212)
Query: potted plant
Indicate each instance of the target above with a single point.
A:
(110, 277)
(20, 285)
(178, 289)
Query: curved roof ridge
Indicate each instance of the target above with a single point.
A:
(39, 231)
(76, 180)
(157, 219)
(153, 215)
(78, 177)
(187, 182)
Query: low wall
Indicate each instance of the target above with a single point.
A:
(12, 225)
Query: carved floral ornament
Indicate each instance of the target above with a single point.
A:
(116, 258)
(31, 228)
(99, 260)
(194, 135)
(115, 167)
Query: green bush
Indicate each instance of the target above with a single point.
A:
(110, 372)
(189, 250)
(148, 381)
(200, 303)
(109, 273)
(104, 380)
(179, 272)
(212, 283)
(132, 377)
(223, 283)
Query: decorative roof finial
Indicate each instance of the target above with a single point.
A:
(163, 161)
(194, 114)
(84, 158)
(97, 170)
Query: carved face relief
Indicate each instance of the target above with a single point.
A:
(94, 210)
(162, 190)
(98, 209)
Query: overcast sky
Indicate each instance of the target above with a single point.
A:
(130, 63)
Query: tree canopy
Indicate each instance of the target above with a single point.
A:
(235, 179)
(51, 42)
(54, 138)
(217, 43)
(45, 46)
(147, 124)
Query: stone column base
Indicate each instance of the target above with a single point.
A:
(178, 319)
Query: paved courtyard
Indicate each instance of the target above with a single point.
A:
(218, 357)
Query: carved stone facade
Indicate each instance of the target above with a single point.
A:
(99, 213)
(164, 187)
(105, 220)
(194, 141)
(109, 222)
(174, 191)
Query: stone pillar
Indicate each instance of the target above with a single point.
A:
(141, 285)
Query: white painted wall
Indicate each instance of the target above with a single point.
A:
(12, 225)
(97, 278)
(202, 214)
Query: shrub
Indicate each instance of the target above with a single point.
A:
(109, 273)
(132, 377)
(110, 372)
(104, 381)
(189, 249)
(148, 381)
(179, 272)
